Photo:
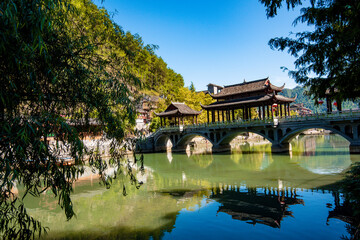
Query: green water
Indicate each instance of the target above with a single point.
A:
(248, 194)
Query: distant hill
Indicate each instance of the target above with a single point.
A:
(309, 103)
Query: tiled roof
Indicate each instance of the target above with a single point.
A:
(250, 101)
(140, 110)
(168, 113)
(211, 84)
(176, 108)
(245, 87)
(282, 98)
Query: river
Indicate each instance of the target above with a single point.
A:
(247, 194)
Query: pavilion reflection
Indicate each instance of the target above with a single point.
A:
(267, 206)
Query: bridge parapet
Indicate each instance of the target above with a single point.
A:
(344, 115)
(215, 125)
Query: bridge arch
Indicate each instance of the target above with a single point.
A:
(186, 139)
(225, 140)
(291, 133)
(161, 142)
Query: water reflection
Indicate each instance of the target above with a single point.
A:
(342, 210)
(203, 161)
(256, 205)
(169, 156)
(183, 195)
(256, 161)
(252, 169)
(314, 155)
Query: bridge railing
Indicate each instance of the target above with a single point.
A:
(252, 122)
(346, 114)
(237, 123)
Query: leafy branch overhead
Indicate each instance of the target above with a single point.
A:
(63, 64)
(328, 57)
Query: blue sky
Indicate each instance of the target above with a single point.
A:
(213, 41)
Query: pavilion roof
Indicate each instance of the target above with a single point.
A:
(141, 110)
(245, 87)
(249, 101)
(211, 84)
(178, 109)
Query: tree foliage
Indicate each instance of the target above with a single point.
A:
(328, 58)
(303, 97)
(65, 64)
(192, 87)
(62, 63)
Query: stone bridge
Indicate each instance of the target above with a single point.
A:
(278, 132)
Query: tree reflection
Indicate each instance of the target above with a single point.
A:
(344, 212)
(349, 211)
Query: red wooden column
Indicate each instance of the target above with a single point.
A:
(208, 117)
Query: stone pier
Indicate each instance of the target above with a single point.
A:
(354, 148)
(221, 148)
(280, 148)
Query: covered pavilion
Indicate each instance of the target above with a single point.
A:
(177, 112)
(260, 94)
